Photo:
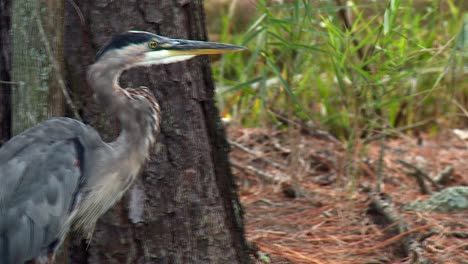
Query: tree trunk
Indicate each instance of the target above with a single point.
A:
(36, 43)
(184, 208)
(5, 66)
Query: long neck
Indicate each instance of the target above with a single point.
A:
(103, 78)
(119, 162)
(136, 109)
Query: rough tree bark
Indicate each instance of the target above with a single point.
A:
(37, 36)
(184, 209)
(5, 66)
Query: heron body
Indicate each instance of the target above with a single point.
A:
(60, 174)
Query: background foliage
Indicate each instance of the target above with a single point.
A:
(356, 69)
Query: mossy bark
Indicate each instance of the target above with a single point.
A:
(35, 91)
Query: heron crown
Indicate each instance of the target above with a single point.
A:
(125, 39)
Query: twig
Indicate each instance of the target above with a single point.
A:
(463, 109)
(13, 83)
(396, 132)
(257, 155)
(313, 131)
(55, 65)
(270, 202)
(278, 146)
(420, 180)
(420, 176)
(78, 11)
(443, 176)
(265, 175)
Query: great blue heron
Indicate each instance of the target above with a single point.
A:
(60, 174)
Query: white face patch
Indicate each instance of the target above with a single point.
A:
(163, 57)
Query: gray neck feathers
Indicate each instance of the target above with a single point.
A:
(138, 114)
(136, 109)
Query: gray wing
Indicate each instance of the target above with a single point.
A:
(40, 173)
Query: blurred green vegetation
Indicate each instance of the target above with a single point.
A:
(356, 69)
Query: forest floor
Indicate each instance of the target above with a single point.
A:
(308, 200)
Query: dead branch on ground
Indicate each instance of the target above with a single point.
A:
(420, 176)
(382, 207)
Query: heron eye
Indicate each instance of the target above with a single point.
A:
(153, 44)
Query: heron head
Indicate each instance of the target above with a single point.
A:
(136, 48)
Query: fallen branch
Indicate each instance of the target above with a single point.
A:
(459, 234)
(420, 176)
(444, 176)
(420, 180)
(381, 207)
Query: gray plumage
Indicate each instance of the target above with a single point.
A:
(60, 174)
(38, 168)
